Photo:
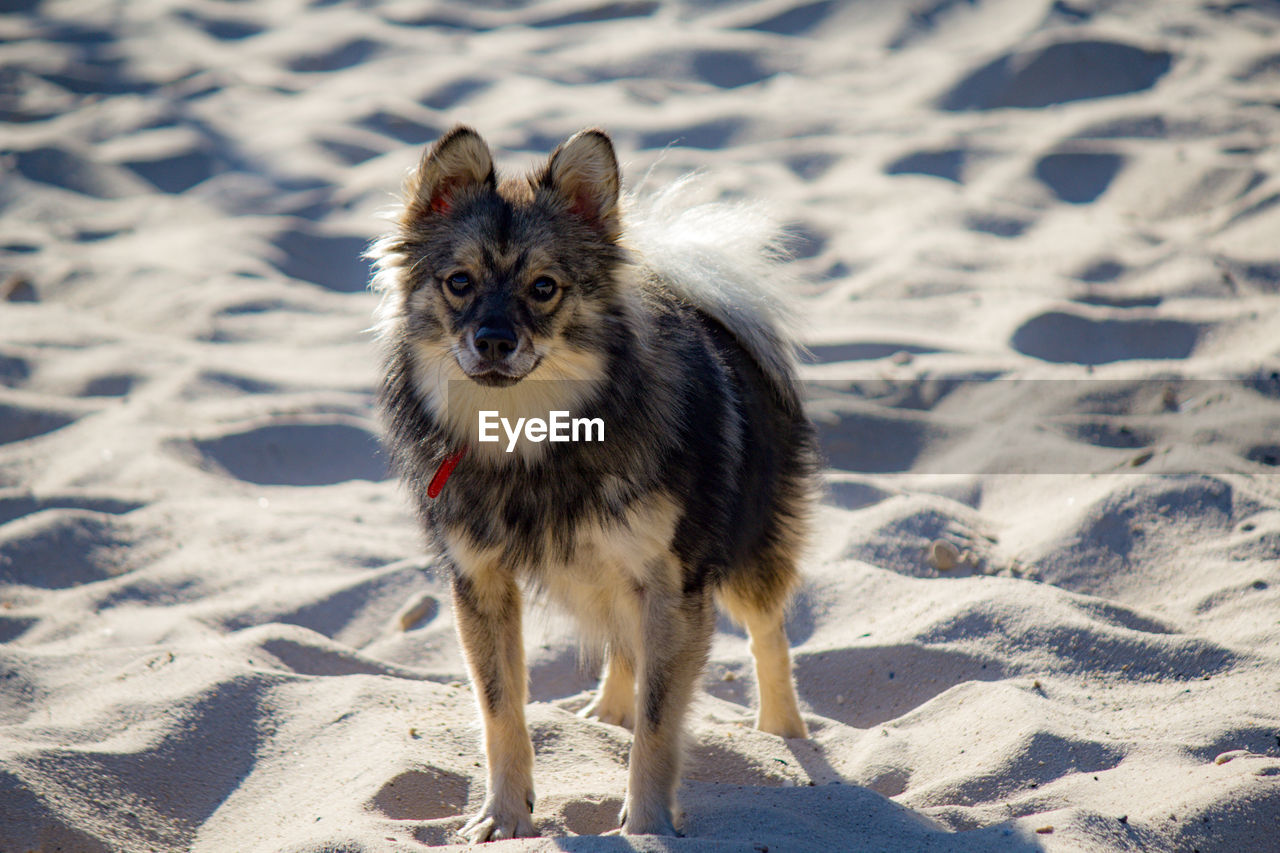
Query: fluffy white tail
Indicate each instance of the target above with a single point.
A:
(727, 259)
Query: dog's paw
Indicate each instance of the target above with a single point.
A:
(638, 819)
(783, 725)
(615, 713)
(497, 821)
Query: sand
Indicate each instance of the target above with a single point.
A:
(1038, 251)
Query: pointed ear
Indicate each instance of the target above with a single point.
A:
(584, 171)
(459, 159)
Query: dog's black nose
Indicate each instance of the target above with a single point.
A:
(495, 342)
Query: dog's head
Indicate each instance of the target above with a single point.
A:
(504, 284)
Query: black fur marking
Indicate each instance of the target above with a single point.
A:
(487, 662)
(655, 696)
(681, 627)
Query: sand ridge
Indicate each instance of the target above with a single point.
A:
(1039, 289)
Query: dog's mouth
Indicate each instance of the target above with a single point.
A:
(494, 379)
(499, 377)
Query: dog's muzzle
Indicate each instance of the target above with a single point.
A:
(496, 356)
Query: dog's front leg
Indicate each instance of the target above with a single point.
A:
(487, 607)
(675, 639)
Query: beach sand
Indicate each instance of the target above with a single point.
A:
(1039, 252)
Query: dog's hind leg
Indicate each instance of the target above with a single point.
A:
(615, 701)
(488, 611)
(779, 711)
(675, 638)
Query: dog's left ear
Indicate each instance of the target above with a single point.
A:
(584, 170)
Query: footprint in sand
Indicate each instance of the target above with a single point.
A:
(800, 19)
(222, 29)
(400, 127)
(178, 172)
(1068, 338)
(336, 58)
(866, 686)
(314, 453)
(349, 153)
(1038, 759)
(64, 168)
(451, 94)
(212, 384)
(62, 548)
(729, 69)
(1264, 454)
(1101, 271)
(332, 261)
(998, 225)
(865, 351)
(867, 438)
(591, 816)
(1078, 177)
(1106, 433)
(19, 422)
(708, 135)
(950, 164)
(428, 794)
(597, 13)
(811, 166)
(1058, 73)
(15, 505)
(110, 385)
(15, 370)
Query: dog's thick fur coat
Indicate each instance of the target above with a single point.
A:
(549, 293)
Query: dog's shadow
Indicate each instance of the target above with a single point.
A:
(825, 818)
(804, 803)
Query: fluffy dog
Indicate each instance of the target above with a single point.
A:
(551, 292)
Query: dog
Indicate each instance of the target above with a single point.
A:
(554, 292)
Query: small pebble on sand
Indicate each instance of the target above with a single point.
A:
(943, 556)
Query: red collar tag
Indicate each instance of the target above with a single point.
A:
(442, 473)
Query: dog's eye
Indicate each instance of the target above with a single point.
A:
(544, 287)
(458, 283)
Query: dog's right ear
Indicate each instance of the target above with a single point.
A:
(458, 161)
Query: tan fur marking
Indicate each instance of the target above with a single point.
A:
(639, 541)
(615, 702)
(610, 564)
(471, 256)
(779, 711)
(478, 564)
